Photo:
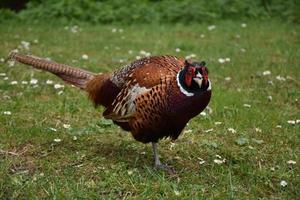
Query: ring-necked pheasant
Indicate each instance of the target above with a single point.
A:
(153, 97)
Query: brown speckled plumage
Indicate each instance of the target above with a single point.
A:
(152, 97)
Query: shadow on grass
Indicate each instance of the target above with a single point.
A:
(89, 154)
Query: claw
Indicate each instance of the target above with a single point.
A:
(171, 170)
(158, 164)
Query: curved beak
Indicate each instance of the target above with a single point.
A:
(198, 79)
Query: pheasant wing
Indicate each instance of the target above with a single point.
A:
(139, 80)
(123, 107)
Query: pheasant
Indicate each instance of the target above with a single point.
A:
(153, 97)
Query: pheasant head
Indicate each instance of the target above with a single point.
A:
(194, 77)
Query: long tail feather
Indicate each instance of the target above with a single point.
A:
(72, 75)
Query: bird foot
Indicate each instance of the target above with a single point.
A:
(169, 169)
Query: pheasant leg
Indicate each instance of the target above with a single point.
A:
(158, 164)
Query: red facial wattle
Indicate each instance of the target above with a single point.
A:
(188, 78)
(205, 75)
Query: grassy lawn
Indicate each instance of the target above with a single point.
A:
(41, 157)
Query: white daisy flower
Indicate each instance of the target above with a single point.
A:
(57, 140)
(74, 29)
(270, 98)
(203, 113)
(266, 73)
(201, 162)
(190, 56)
(247, 105)
(218, 161)
(58, 86)
(231, 130)
(283, 183)
(258, 130)
(291, 162)
(14, 82)
(85, 57)
(7, 113)
(280, 78)
(243, 25)
(53, 129)
(177, 193)
(33, 81)
(25, 45)
(11, 63)
(209, 130)
(227, 78)
(129, 172)
(66, 126)
(293, 122)
(49, 82)
(221, 60)
(211, 27)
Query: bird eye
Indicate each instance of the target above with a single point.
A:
(191, 70)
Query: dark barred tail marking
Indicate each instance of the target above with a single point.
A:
(72, 75)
